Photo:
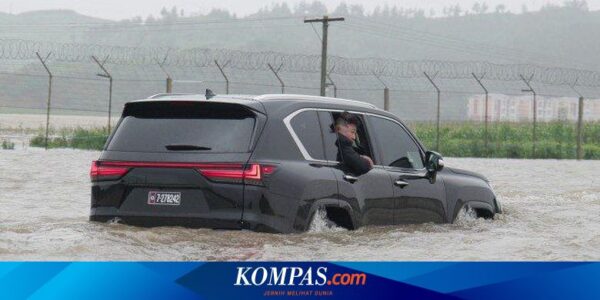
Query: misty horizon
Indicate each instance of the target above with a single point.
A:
(154, 8)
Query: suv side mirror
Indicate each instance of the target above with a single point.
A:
(434, 161)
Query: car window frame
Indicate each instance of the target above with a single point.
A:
(248, 149)
(323, 133)
(260, 119)
(288, 122)
(375, 148)
(409, 133)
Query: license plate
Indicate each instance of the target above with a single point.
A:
(164, 198)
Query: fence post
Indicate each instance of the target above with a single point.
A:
(386, 99)
(331, 83)
(579, 121)
(532, 91)
(580, 129)
(486, 138)
(386, 92)
(110, 85)
(437, 127)
(169, 85)
(161, 65)
(43, 61)
(276, 72)
(224, 75)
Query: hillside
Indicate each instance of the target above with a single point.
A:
(557, 36)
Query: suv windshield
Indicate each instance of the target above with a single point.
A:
(184, 126)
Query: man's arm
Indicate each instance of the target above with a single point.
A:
(368, 159)
(351, 158)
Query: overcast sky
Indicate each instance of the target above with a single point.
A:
(120, 9)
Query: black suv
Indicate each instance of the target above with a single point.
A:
(268, 163)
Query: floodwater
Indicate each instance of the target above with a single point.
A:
(552, 212)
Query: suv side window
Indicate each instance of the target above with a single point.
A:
(329, 135)
(306, 127)
(397, 147)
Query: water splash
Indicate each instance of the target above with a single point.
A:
(320, 223)
(114, 221)
(466, 217)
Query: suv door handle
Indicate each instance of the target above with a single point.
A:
(350, 178)
(400, 183)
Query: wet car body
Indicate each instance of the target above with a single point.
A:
(267, 163)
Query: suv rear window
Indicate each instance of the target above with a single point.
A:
(188, 126)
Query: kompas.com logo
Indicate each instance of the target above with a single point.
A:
(295, 276)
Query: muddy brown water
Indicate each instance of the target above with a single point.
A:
(552, 212)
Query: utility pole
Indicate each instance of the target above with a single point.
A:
(325, 20)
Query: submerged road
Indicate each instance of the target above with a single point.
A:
(552, 212)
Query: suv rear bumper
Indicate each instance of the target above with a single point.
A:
(106, 214)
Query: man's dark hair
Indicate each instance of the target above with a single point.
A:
(346, 118)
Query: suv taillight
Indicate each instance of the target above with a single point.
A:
(249, 174)
(99, 171)
(219, 172)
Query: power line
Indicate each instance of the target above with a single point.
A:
(316, 33)
(432, 43)
(421, 35)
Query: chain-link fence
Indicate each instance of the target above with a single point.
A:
(484, 109)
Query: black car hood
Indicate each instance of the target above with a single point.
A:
(468, 173)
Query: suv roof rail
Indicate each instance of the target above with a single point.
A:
(314, 98)
(160, 95)
(273, 97)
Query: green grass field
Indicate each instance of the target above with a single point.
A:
(78, 138)
(506, 140)
(511, 140)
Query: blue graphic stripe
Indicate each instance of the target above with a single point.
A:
(7, 267)
(26, 278)
(111, 281)
(172, 270)
(581, 281)
(467, 275)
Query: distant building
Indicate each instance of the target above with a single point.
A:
(520, 108)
